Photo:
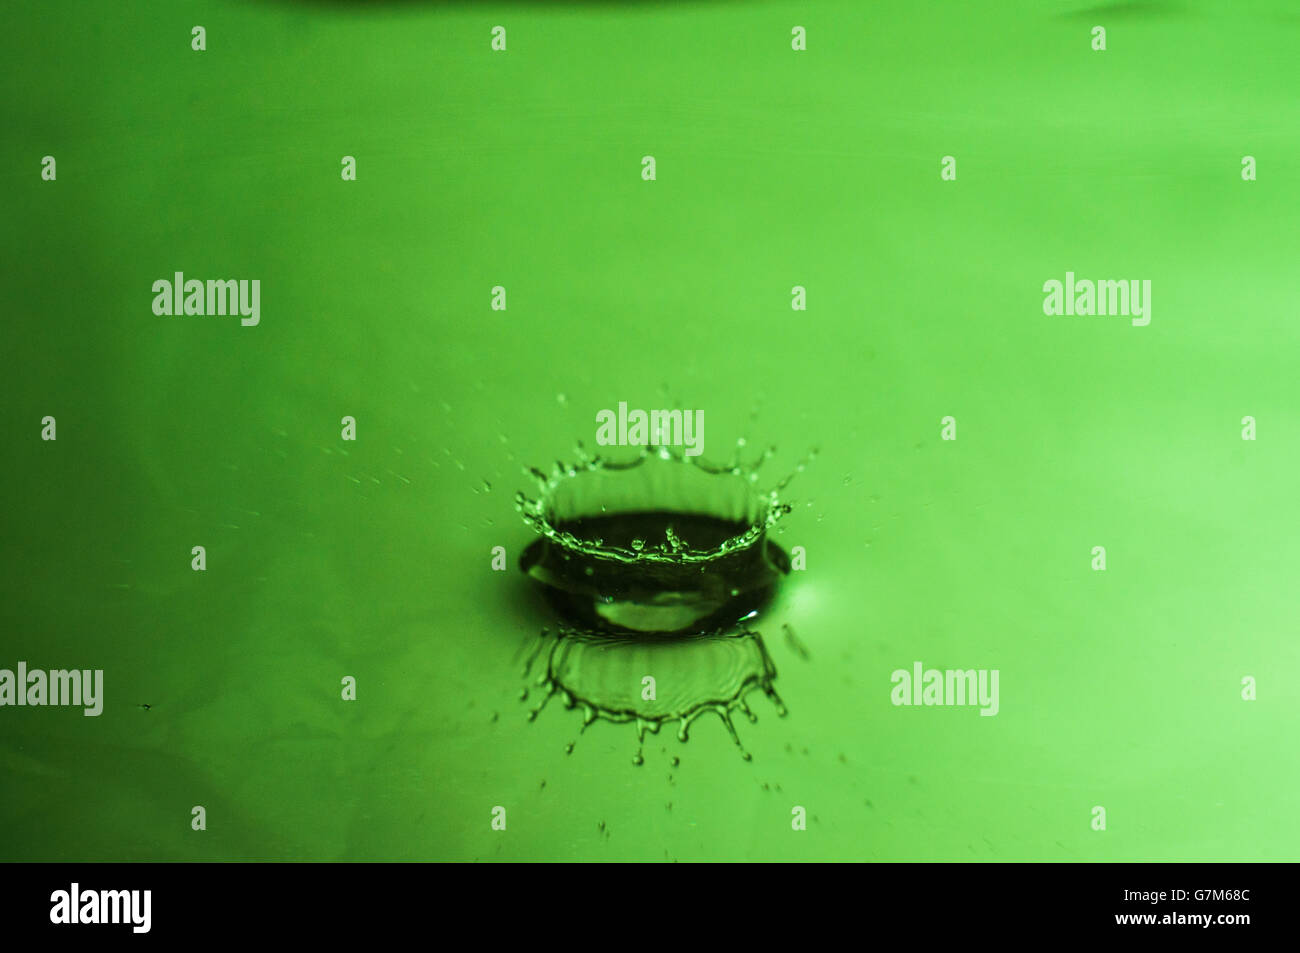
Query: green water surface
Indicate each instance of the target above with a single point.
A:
(775, 169)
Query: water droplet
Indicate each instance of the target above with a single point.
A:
(596, 552)
(673, 608)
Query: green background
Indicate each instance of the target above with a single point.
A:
(775, 168)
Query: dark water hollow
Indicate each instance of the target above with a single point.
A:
(656, 597)
(660, 547)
